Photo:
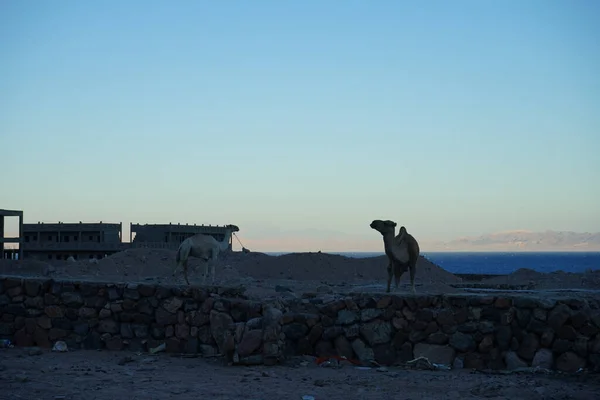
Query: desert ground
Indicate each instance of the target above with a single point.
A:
(291, 275)
(85, 375)
(27, 373)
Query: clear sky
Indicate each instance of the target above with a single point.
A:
(302, 121)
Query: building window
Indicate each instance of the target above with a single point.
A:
(49, 256)
(49, 238)
(91, 238)
(58, 257)
(66, 238)
(27, 238)
(75, 238)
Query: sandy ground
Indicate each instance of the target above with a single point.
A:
(36, 374)
(289, 275)
(262, 275)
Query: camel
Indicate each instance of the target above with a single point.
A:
(402, 251)
(205, 247)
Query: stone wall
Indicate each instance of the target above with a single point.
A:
(91, 315)
(471, 331)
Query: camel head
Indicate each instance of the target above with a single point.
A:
(383, 227)
(232, 228)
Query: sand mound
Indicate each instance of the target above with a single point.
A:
(299, 271)
(554, 280)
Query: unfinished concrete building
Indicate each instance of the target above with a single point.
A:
(58, 241)
(11, 253)
(170, 236)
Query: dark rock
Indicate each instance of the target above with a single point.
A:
(559, 316)
(503, 303)
(462, 342)
(352, 331)
(172, 305)
(529, 346)
(384, 302)
(56, 334)
(182, 331)
(419, 325)
(525, 302)
(543, 359)
(364, 353)
(445, 317)
(126, 331)
(486, 344)
(425, 315)
(81, 328)
(513, 361)
(108, 326)
(114, 343)
(547, 338)
(438, 338)
(435, 353)
(332, 332)
(536, 326)
(220, 324)
(523, 317)
(384, 354)
(347, 317)
(146, 290)
(570, 362)
(304, 347)
(580, 346)
(376, 332)
(324, 348)
(71, 299)
(87, 313)
(295, 331)
(343, 347)
(561, 346)
(16, 309)
(40, 338)
(474, 361)
(163, 317)
(370, 314)
(469, 327)
(567, 332)
(250, 342)
(93, 341)
(405, 353)
(417, 336)
(32, 288)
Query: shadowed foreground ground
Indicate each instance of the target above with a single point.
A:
(36, 374)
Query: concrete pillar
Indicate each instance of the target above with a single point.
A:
(21, 236)
(1, 236)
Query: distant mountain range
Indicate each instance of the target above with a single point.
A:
(521, 240)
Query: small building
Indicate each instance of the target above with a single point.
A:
(170, 236)
(6, 252)
(58, 241)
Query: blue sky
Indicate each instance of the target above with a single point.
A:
(303, 121)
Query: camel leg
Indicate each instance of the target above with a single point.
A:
(213, 262)
(413, 269)
(398, 271)
(390, 274)
(185, 273)
(205, 272)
